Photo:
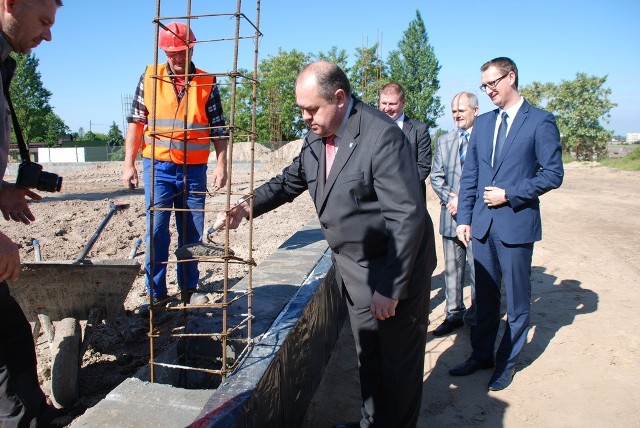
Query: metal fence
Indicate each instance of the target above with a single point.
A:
(71, 154)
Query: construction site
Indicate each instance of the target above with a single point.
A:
(176, 365)
(270, 346)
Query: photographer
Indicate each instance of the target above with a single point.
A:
(23, 25)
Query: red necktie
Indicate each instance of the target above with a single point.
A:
(330, 153)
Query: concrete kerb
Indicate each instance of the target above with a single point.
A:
(298, 316)
(274, 384)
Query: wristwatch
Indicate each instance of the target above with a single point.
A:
(506, 198)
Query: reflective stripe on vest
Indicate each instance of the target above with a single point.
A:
(169, 128)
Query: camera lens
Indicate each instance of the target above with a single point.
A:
(49, 182)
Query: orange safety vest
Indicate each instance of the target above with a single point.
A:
(176, 140)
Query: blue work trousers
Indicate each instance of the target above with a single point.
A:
(173, 187)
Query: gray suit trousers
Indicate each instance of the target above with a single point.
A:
(457, 257)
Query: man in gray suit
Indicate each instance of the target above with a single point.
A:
(445, 181)
(374, 219)
(392, 101)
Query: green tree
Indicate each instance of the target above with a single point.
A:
(242, 105)
(94, 136)
(54, 128)
(438, 133)
(115, 143)
(277, 115)
(114, 136)
(276, 96)
(414, 65)
(579, 106)
(335, 56)
(31, 101)
(366, 73)
(434, 138)
(538, 94)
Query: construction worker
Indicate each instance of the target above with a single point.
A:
(175, 130)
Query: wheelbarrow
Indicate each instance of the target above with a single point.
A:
(69, 291)
(66, 293)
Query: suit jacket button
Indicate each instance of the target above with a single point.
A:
(336, 251)
(324, 225)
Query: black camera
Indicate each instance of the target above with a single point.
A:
(31, 176)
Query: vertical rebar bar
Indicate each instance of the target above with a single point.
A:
(235, 78)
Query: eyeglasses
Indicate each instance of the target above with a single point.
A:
(492, 85)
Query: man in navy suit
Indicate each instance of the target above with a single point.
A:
(373, 217)
(514, 156)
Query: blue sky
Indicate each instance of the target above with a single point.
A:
(99, 49)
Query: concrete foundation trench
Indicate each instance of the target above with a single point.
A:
(298, 314)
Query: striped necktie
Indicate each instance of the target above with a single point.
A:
(464, 142)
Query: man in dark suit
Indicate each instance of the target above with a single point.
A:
(514, 156)
(445, 182)
(392, 101)
(374, 219)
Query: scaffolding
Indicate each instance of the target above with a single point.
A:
(371, 72)
(126, 100)
(226, 332)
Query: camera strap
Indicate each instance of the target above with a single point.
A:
(8, 68)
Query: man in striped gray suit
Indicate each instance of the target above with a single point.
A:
(445, 181)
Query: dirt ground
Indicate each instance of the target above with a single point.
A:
(65, 221)
(580, 367)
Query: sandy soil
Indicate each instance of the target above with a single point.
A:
(582, 363)
(579, 369)
(65, 222)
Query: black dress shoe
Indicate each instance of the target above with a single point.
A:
(470, 366)
(500, 381)
(447, 327)
(348, 425)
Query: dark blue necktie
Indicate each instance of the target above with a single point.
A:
(500, 139)
(464, 140)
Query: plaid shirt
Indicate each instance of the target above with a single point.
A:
(140, 113)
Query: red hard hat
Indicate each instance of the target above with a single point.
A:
(175, 40)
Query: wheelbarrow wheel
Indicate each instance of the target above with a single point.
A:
(65, 364)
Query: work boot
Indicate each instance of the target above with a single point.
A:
(198, 299)
(193, 296)
(144, 308)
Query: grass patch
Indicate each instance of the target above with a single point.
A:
(630, 162)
